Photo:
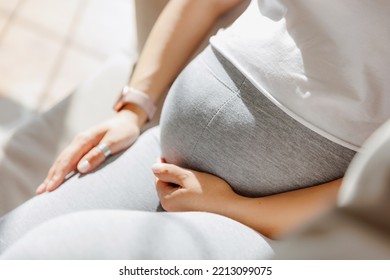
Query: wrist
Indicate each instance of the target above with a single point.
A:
(138, 114)
(136, 101)
(237, 207)
(228, 204)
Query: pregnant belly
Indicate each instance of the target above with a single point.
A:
(221, 124)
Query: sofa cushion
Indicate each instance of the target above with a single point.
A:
(27, 154)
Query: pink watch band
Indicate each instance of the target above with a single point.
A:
(133, 96)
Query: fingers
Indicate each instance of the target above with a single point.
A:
(57, 173)
(68, 159)
(164, 188)
(166, 193)
(117, 133)
(91, 160)
(171, 173)
(115, 140)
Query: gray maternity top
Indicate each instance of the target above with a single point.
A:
(214, 120)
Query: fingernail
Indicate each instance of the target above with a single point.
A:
(84, 166)
(157, 167)
(49, 185)
(40, 188)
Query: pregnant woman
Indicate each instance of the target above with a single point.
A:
(255, 135)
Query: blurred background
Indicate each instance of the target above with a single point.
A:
(48, 47)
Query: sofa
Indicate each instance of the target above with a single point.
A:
(23, 166)
(358, 228)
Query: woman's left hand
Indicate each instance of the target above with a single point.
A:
(181, 189)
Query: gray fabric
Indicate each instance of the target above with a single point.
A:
(56, 225)
(213, 120)
(125, 182)
(119, 234)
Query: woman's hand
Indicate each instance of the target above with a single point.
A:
(275, 216)
(118, 133)
(181, 189)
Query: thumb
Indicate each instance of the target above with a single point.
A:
(171, 173)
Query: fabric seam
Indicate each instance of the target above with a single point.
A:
(236, 94)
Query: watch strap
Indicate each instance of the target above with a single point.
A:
(134, 96)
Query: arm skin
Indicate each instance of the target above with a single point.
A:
(177, 33)
(274, 216)
(278, 215)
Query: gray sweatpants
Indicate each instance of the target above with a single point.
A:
(215, 121)
(66, 224)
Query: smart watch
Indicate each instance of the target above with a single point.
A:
(134, 96)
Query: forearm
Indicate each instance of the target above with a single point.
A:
(277, 215)
(178, 32)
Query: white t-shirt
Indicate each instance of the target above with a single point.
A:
(325, 63)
